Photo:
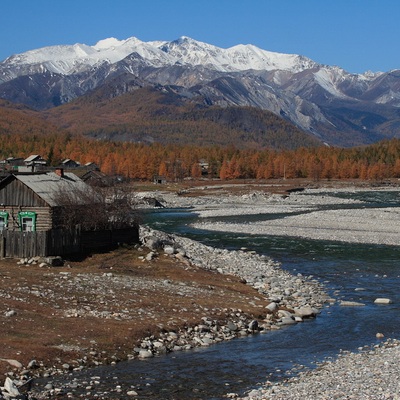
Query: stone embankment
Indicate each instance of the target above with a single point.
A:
(304, 296)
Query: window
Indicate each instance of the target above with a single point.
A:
(27, 221)
(27, 224)
(3, 220)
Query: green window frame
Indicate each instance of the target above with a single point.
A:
(3, 220)
(27, 221)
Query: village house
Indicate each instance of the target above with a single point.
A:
(31, 202)
(33, 163)
(68, 163)
(53, 206)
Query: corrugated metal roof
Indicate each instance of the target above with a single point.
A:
(51, 187)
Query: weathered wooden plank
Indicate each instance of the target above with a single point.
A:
(2, 246)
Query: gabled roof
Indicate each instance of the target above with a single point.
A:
(50, 187)
(33, 157)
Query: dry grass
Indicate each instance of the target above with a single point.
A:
(139, 299)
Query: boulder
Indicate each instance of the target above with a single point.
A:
(145, 354)
(383, 301)
(284, 313)
(13, 363)
(287, 321)
(305, 312)
(231, 326)
(153, 243)
(253, 325)
(10, 313)
(351, 304)
(169, 250)
(10, 388)
(150, 256)
(272, 306)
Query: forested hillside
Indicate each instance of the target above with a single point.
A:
(150, 115)
(19, 119)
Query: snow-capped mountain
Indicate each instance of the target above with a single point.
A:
(69, 60)
(339, 107)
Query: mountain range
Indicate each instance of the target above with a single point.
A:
(331, 105)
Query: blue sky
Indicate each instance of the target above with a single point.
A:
(357, 35)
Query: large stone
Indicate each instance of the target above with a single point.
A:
(284, 313)
(231, 326)
(13, 363)
(150, 256)
(10, 387)
(145, 354)
(169, 250)
(10, 313)
(153, 243)
(351, 304)
(383, 301)
(253, 325)
(272, 306)
(306, 312)
(287, 321)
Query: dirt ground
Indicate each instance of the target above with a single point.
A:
(100, 307)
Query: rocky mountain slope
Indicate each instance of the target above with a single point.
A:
(161, 114)
(335, 106)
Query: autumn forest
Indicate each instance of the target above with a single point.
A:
(144, 161)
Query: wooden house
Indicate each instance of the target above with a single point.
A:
(33, 163)
(33, 211)
(68, 163)
(33, 202)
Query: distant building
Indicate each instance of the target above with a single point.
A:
(11, 163)
(33, 163)
(159, 180)
(92, 166)
(68, 163)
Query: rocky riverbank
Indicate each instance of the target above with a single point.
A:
(277, 299)
(371, 374)
(199, 309)
(305, 214)
(265, 275)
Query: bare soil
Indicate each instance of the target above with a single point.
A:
(100, 307)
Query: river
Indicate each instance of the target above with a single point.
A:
(353, 272)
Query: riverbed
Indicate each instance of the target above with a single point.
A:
(350, 270)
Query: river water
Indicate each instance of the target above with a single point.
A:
(353, 272)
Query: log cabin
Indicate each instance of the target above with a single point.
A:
(34, 202)
(55, 214)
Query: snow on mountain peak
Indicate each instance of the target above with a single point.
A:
(186, 51)
(107, 43)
